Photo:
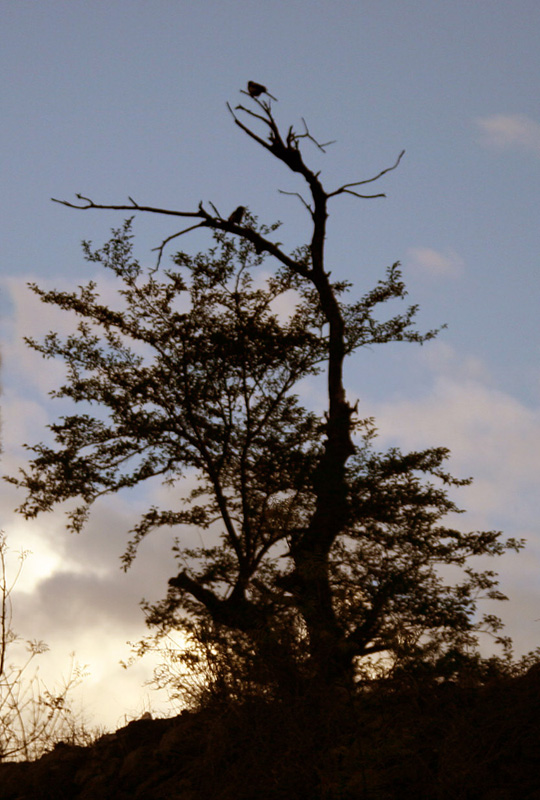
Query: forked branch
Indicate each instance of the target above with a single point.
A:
(346, 186)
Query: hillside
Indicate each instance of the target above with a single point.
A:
(438, 742)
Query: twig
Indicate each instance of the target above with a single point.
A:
(265, 104)
(216, 212)
(166, 241)
(274, 133)
(297, 194)
(345, 187)
(307, 135)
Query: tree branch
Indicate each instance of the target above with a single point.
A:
(261, 244)
(345, 187)
(247, 130)
(133, 206)
(297, 194)
(166, 241)
(307, 135)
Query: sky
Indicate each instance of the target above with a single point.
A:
(128, 98)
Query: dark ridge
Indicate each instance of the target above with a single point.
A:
(436, 741)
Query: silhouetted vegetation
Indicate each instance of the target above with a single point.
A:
(32, 716)
(328, 652)
(401, 739)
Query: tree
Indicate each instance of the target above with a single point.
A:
(327, 552)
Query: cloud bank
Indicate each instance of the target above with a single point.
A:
(495, 439)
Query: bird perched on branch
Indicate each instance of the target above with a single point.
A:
(237, 215)
(256, 89)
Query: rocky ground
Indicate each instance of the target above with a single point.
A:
(419, 743)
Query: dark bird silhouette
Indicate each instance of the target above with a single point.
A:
(237, 215)
(256, 89)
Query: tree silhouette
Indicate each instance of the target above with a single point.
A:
(320, 552)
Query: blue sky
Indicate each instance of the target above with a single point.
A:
(128, 98)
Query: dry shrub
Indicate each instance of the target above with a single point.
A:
(33, 717)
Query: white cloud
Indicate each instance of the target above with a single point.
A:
(72, 594)
(442, 359)
(490, 433)
(32, 318)
(504, 131)
(494, 438)
(424, 260)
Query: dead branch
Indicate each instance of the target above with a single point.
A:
(264, 104)
(275, 143)
(346, 187)
(253, 114)
(287, 151)
(133, 206)
(297, 194)
(307, 135)
(166, 241)
(245, 128)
